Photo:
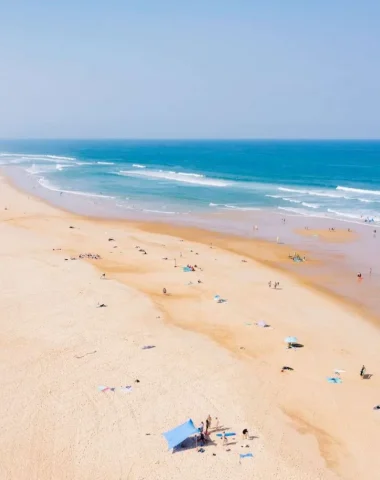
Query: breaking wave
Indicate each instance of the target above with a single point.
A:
(192, 178)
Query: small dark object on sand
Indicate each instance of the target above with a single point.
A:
(88, 353)
(71, 226)
(101, 305)
(111, 239)
(137, 380)
(290, 369)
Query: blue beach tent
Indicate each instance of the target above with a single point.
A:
(179, 434)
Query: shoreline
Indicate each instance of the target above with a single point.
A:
(329, 262)
(209, 357)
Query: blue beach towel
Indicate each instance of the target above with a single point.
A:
(334, 380)
(246, 455)
(187, 269)
(228, 434)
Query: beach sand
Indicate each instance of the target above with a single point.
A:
(338, 235)
(57, 348)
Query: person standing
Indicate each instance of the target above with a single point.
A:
(362, 371)
(208, 423)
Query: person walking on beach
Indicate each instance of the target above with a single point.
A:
(362, 371)
(245, 434)
(270, 283)
(164, 291)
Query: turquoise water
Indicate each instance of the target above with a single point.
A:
(335, 179)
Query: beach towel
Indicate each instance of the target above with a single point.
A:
(218, 299)
(246, 455)
(228, 434)
(104, 389)
(126, 389)
(262, 324)
(187, 269)
(334, 380)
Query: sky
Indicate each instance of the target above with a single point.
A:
(190, 69)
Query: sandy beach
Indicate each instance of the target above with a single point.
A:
(59, 351)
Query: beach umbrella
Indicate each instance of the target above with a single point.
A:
(290, 340)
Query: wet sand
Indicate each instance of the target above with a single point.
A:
(333, 258)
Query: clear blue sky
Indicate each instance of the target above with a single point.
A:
(190, 69)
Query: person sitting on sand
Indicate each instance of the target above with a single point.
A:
(103, 276)
(164, 291)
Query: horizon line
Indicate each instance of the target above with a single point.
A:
(192, 139)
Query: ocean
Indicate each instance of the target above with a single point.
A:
(327, 179)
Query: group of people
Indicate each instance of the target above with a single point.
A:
(92, 256)
(204, 429)
(275, 284)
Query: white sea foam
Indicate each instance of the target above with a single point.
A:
(355, 216)
(194, 179)
(312, 193)
(292, 190)
(310, 205)
(233, 207)
(358, 190)
(159, 211)
(37, 169)
(137, 165)
(243, 209)
(290, 200)
(105, 163)
(61, 167)
(48, 185)
(31, 157)
(274, 196)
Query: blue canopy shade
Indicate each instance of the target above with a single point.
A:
(179, 434)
